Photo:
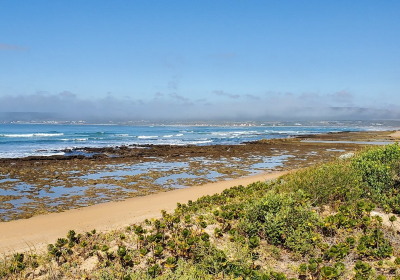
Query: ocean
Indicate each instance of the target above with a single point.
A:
(23, 140)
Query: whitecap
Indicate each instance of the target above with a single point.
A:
(74, 139)
(147, 137)
(80, 139)
(28, 135)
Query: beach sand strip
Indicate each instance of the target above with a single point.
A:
(395, 135)
(35, 233)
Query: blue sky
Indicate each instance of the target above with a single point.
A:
(211, 58)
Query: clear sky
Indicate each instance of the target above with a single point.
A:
(198, 58)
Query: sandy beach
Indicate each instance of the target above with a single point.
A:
(395, 135)
(35, 233)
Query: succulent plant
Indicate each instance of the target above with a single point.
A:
(121, 252)
(158, 250)
(143, 251)
(170, 262)
(254, 242)
(154, 270)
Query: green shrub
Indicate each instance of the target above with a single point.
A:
(373, 244)
(283, 219)
(356, 215)
(326, 184)
(332, 272)
(376, 166)
(154, 270)
(337, 252)
(363, 271)
(379, 168)
(17, 263)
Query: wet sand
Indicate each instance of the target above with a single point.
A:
(35, 233)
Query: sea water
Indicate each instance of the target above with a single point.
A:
(22, 140)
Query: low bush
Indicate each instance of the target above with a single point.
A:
(326, 184)
(379, 168)
(284, 219)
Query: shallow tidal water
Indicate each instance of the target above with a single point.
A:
(121, 181)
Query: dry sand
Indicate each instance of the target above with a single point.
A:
(35, 233)
(395, 135)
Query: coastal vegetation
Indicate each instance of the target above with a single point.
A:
(337, 220)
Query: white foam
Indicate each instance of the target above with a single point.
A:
(175, 142)
(27, 154)
(202, 142)
(147, 137)
(27, 135)
(219, 133)
(75, 139)
(291, 132)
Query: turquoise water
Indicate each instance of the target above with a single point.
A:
(22, 140)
